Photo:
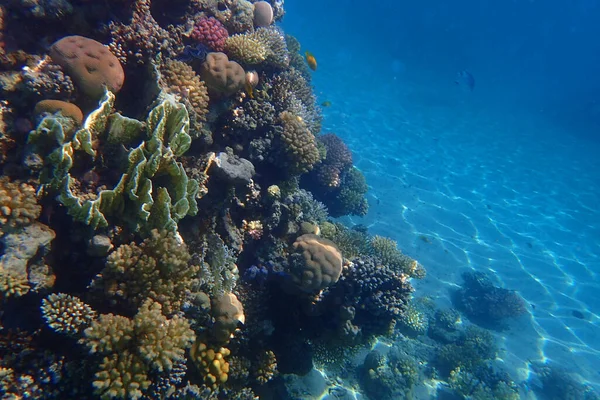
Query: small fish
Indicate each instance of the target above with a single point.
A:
(249, 90)
(311, 60)
(465, 80)
(326, 104)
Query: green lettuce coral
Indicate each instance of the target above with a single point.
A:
(153, 191)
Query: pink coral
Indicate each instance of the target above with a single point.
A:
(211, 32)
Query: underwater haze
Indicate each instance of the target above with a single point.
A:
(299, 199)
(504, 179)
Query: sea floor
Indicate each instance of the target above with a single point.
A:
(462, 183)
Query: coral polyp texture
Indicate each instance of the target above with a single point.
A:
(167, 205)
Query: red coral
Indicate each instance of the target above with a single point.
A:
(211, 32)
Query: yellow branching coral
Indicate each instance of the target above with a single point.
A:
(299, 144)
(122, 376)
(246, 49)
(179, 79)
(12, 283)
(67, 314)
(18, 205)
(266, 368)
(133, 348)
(162, 341)
(158, 269)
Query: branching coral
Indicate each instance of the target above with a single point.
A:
(143, 39)
(486, 303)
(246, 49)
(180, 80)
(292, 92)
(298, 144)
(18, 205)
(158, 269)
(66, 314)
(386, 250)
(134, 348)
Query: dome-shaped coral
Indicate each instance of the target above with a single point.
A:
(211, 32)
(322, 264)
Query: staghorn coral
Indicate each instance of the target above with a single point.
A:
(133, 348)
(298, 144)
(180, 80)
(142, 39)
(246, 49)
(319, 264)
(66, 314)
(386, 250)
(158, 269)
(18, 205)
(211, 32)
(90, 64)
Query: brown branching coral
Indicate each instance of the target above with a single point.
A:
(299, 144)
(246, 49)
(18, 205)
(179, 79)
(386, 250)
(158, 269)
(142, 39)
(134, 348)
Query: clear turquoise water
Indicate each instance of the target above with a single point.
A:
(504, 180)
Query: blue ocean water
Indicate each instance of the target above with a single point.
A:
(503, 179)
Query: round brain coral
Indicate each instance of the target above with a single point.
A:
(211, 32)
(223, 77)
(322, 263)
(90, 64)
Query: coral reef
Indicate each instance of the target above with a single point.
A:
(90, 64)
(67, 314)
(158, 268)
(222, 76)
(485, 303)
(211, 32)
(18, 205)
(318, 265)
(298, 143)
(386, 250)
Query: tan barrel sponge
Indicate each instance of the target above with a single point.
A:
(90, 64)
(223, 77)
(65, 108)
(323, 262)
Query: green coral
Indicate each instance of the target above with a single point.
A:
(154, 190)
(158, 269)
(246, 48)
(133, 348)
(66, 314)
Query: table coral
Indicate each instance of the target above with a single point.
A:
(158, 268)
(90, 64)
